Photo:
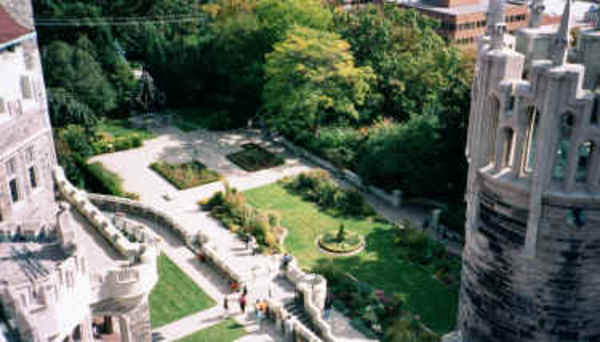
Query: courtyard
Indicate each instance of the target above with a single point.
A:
(379, 265)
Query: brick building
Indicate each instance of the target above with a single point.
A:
(463, 21)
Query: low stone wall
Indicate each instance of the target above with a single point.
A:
(394, 198)
(314, 288)
(79, 200)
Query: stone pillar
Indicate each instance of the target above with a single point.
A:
(125, 331)
(87, 334)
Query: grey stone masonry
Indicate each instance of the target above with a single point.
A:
(530, 269)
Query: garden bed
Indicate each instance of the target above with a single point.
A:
(352, 242)
(185, 175)
(255, 158)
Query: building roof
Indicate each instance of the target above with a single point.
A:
(480, 7)
(9, 28)
(578, 8)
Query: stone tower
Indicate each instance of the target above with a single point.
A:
(62, 268)
(27, 155)
(531, 269)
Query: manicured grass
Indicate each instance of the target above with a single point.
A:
(254, 158)
(380, 264)
(175, 295)
(226, 331)
(185, 175)
(121, 128)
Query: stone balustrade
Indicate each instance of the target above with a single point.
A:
(83, 205)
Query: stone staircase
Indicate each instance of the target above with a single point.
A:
(296, 309)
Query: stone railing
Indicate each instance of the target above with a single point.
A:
(135, 208)
(134, 229)
(79, 200)
(129, 281)
(314, 290)
(281, 313)
(394, 198)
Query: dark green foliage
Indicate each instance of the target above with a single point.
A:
(66, 109)
(405, 156)
(185, 175)
(255, 158)
(100, 180)
(317, 186)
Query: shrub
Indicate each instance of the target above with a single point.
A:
(77, 139)
(100, 180)
(317, 186)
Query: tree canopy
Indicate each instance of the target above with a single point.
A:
(312, 80)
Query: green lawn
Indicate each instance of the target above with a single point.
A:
(121, 128)
(379, 264)
(226, 331)
(175, 296)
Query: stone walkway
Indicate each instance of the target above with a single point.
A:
(210, 148)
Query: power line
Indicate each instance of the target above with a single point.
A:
(117, 21)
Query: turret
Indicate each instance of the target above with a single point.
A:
(533, 190)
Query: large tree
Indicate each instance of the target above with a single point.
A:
(312, 80)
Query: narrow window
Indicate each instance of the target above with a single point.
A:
(534, 119)
(567, 122)
(26, 87)
(508, 145)
(584, 154)
(2, 106)
(595, 110)
(32, 177)
(493, 127)
(14, 190)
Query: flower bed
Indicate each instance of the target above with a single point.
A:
(255, 158)
(331, 243)
(185, 175)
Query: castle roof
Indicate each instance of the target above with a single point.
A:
(9, 28)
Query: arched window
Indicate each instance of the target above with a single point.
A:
(567, 122)
(532, 133)
(584, 155)
(509, 136)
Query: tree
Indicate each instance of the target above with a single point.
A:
(312, 80)
(65, 109)
(405, 156)
(276, 17)
(77, 71)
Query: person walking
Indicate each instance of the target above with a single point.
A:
(242, 302)
(225, 307)
(245, 290)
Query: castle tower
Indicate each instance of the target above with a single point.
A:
(57, 274)
(530, 262)
(26, 147)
